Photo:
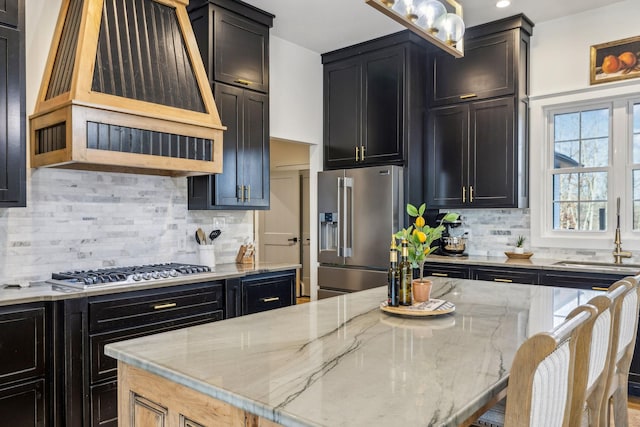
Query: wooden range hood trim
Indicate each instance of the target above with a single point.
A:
(80, 104)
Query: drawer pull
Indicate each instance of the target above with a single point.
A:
(163, 306)
(467, 96)
(598, 288)
(271, 299)
(243, 82)
(502, 280)
(440, 274)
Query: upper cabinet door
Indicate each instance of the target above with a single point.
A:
(255, 155)
(241, 51)
(342, 113)
(486, 71)
(383, 104)
(9, 12)
(12, 120)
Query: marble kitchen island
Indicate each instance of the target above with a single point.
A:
(339, 361)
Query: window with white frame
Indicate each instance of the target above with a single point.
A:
(581, 143)
(635, 168)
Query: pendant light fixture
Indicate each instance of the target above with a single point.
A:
(429, 19)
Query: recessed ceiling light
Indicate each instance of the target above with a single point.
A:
(503, 3)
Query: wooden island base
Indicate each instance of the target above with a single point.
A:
(147, 400)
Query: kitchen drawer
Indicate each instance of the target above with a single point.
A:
(266, 293)
(23, 405)
(573, 279)
(446, 270)
(104, 405)
(22, 343)
(104, 367)
(139, 308)
(506, 276)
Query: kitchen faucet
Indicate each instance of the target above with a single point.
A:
(618, 253)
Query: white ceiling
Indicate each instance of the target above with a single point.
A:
(326, 25)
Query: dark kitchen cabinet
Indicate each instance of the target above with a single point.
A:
(580, 280)
(233, 38)
(472, 157)
(87, 325)
(375, 106)
(245, 180)
(260, 292)
(12, 97)
(505, 275)
(477, 137)
(24, 372)
(364, 109)
(447, 270)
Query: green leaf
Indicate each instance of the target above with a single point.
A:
(423, 207)
(451, 216)
(411, 210)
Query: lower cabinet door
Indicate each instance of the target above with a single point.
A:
(23, 405)
(506, 276)
(266, 293)
(104, 405)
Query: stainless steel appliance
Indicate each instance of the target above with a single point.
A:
(117, 276)
(454, 237)
(359, 210)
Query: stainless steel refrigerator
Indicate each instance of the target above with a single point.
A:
(359, 209)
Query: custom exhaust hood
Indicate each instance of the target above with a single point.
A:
(125, 90)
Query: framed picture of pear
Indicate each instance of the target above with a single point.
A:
(617, 60)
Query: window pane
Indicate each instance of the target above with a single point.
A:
(595, 123)
(580, 201)
(565, 215)
(567, 126)
(565, 187)
(593, 186)
(636, 133)
(636, 148)
(567, 154)
(593, 216)
(595, 152)
(636, 118)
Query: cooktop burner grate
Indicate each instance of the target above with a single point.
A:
(85, 279)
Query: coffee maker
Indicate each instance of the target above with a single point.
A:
(454, 237)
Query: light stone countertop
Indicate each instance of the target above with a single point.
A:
(42, 291)
(343, 362)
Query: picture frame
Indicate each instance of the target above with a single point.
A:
(615, 60)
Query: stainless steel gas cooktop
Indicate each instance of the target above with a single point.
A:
(117, 276)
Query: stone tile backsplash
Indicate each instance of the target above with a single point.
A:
(88, 220)
(492, 232)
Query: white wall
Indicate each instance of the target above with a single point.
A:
(295, 108)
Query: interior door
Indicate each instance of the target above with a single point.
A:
(280, 225)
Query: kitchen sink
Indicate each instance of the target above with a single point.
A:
(604, 266)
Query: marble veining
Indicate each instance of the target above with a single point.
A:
(343, 362)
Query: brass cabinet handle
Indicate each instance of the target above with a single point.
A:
(163, 306)
(357, 153)
(598, 288)
(243, 82)
(240, 192)
(270, 299)
(496, 279)
(464, 194)
(248, 193)
(362, 153)
(440, 274)
(468, 95)
(471, 194)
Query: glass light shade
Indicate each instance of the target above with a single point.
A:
(407, 9)
(430, 12)
(451, 28)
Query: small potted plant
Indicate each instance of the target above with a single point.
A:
(519, 249)
(419, 237)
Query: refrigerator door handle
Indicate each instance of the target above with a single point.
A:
(348, 216)
(340, 218)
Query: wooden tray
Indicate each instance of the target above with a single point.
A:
(433, 307)
(514, 255)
